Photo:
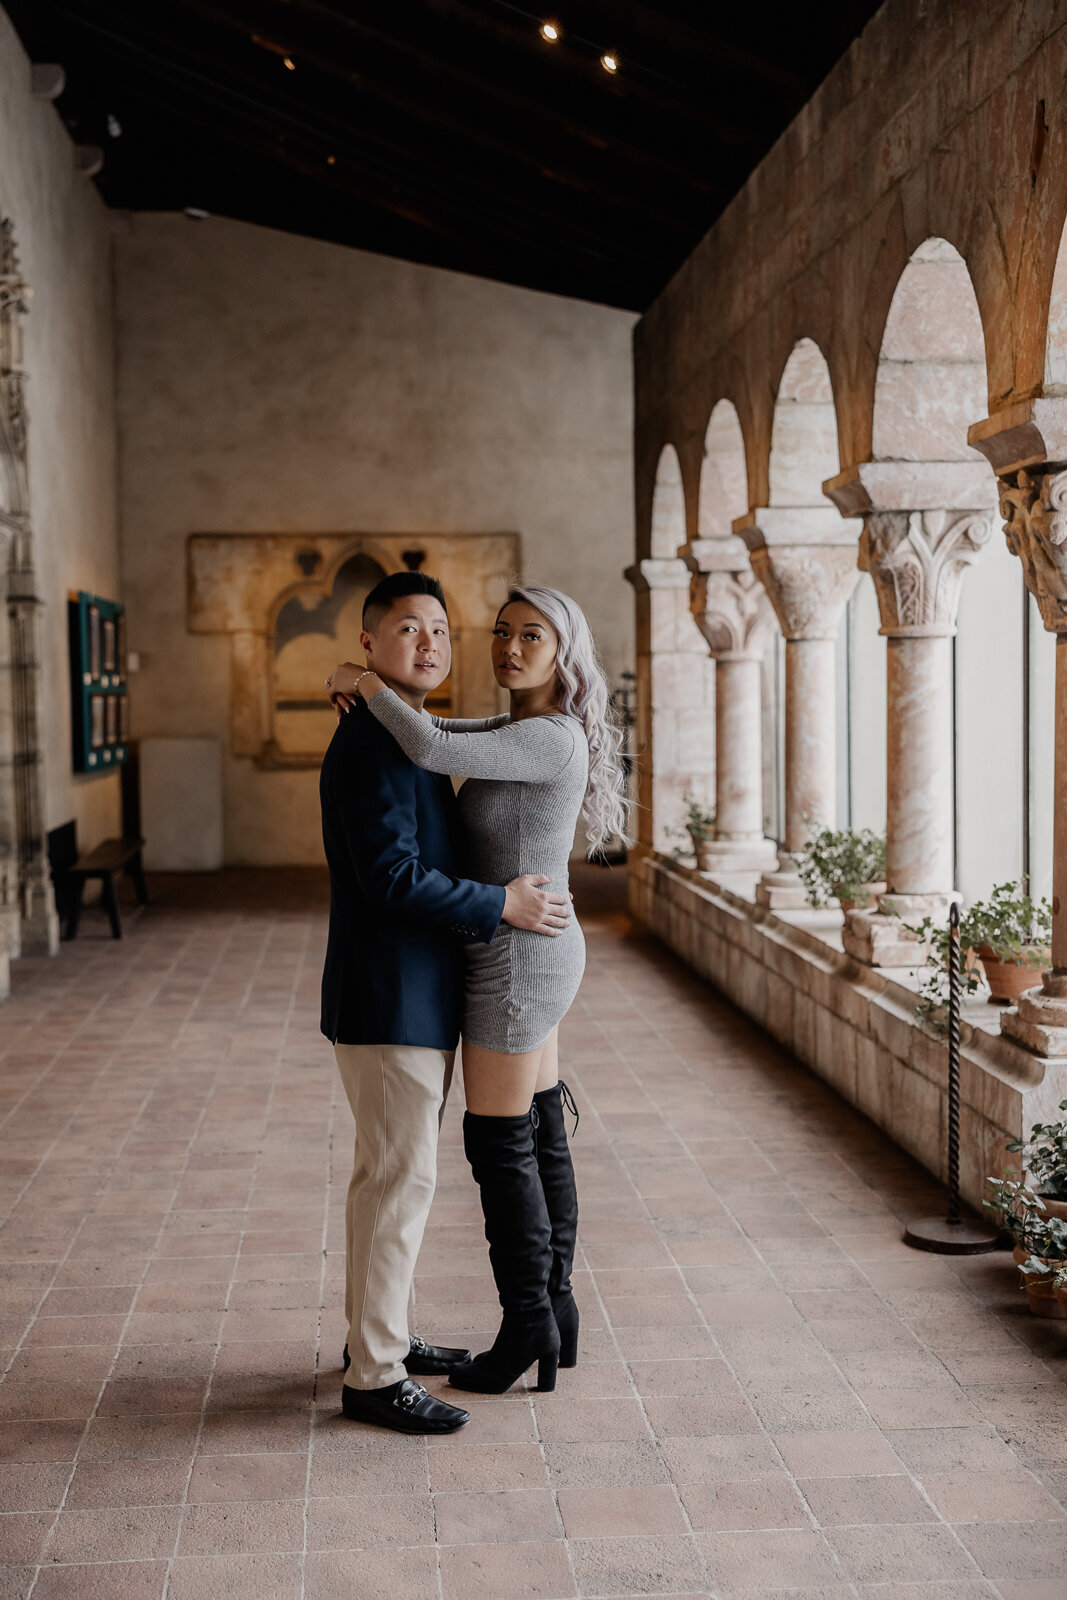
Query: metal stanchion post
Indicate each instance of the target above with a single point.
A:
(951, 1235)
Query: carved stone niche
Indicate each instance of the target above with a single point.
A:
(291, 605)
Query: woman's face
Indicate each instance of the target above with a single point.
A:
(524, 648)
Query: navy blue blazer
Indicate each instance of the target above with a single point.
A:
(399, 912)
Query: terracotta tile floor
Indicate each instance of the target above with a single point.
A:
(775, 1395)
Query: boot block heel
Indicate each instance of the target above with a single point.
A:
(546, 1373)
(568, 1349)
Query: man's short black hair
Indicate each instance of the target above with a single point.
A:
(395, 587)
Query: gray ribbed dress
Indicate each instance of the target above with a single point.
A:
(520, 805)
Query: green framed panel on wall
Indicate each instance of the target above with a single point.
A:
(100, 706)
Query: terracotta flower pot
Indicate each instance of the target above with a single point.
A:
(1007, 980)
(703, 860)
(1043, 1299)
(1060, 1291)
(866, 898)
(1053, 1207)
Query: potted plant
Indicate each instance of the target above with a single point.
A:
(1045, 1163)
(1040, 1242)
(843, 864)
(699, 827)
(1010, 933)
(1059, 1286)
(1041, 1270)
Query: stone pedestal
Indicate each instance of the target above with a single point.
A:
(806, 560)
(917, 560)
(731, 610)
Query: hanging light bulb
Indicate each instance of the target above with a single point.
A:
(550, 32)
(289, 62)
(609, 62)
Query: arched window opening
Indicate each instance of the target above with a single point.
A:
(668, 506)
(723, 474)
(804, 449)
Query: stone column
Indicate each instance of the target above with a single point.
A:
(732, 612)
(1034, 506)
(675, 731)
(917, 560)
(805, 557)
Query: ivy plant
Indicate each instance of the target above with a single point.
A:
(1020, 1212)
(1011, 925)
(1045, 1156)
(935, 941)
(839, 863)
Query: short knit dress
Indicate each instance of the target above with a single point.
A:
(525, 785)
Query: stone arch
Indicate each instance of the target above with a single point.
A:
(668, 506)
(723, 493)
(804, 447)
(931, 378)
(1056, 335)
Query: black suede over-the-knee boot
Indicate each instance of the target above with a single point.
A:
(561, 1198)
(502, 1158)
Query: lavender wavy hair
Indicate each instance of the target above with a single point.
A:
(584, 694)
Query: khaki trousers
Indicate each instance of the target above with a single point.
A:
(397, 1094)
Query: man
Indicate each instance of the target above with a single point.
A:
(392, 995)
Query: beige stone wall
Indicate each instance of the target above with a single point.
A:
(272, 384)
(63, 234)
(855, 1026)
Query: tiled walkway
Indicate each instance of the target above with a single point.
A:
(775, 1395)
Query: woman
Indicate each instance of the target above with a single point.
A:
(530, 775)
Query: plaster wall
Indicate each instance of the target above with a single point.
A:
(274, 384)
(63, 234)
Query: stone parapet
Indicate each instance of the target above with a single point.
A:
(853, 1025)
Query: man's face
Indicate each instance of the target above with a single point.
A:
(411, 649)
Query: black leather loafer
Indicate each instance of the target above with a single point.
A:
(404, 1406)
(428, 1359)
(425, 1360)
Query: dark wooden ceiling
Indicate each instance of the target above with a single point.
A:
(445, 131)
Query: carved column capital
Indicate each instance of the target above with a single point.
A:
(732, 612)
(808, 586)
(917, 560)
(1034, 508)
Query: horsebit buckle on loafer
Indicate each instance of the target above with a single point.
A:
(413, 1395)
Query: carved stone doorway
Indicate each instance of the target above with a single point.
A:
(291, 605)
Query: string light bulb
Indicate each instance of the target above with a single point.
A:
(289, 62)
(550, 32)
(609, 62)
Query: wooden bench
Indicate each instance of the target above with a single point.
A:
(71, 872)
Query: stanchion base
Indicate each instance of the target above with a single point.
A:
(950, 1238)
